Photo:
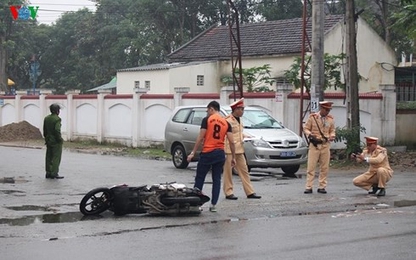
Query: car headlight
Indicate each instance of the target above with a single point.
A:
(302, 143)
(260, 143)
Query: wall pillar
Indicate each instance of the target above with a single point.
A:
(100, 114)
(179, 91)
(43, 106)
(225, 95)
(282, 110)
(388, 114)
(18, 105)
(138, 114)
(70, 113)
(43, 109)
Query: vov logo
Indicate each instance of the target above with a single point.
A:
(23, 12)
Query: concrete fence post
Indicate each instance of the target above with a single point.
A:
(18, 105)
(388, 114)
(282, 109)
(43, 109)
(101, 114)
(225, 95)
(179, 91)
(70, 113)
(138, 114)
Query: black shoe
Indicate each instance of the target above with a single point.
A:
(382, 192)
(231, 197)
(308, 191)
(57, 177)
(374, 191)
(323, 191)
(253, 196)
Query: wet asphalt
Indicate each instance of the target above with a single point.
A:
(39, 217)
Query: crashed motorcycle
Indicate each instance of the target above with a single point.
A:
(158, 199)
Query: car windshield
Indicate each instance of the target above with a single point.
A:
(258, 119)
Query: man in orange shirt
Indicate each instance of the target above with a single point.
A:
(214, 129)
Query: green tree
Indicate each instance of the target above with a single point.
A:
(29, 41)
(69, 56)
(85, 49)
(335, 6)
(255, 79)
(273, 10)
(349, 136)
(332, 72)
(406, 22)
(382, 15)
(8, 27)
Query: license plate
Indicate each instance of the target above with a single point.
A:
(287, 154)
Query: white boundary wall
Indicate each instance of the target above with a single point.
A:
(139, 119)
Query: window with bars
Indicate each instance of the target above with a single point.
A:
(147, 84)
(200, 80)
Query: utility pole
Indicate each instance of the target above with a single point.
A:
(353, 114)
(235, 45)
(3, 64)
(4, 33)
(317, 64)
(302, 68)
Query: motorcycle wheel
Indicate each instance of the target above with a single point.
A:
(96, 201)
(180, 200)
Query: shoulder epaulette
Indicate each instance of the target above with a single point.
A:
(381, 149)
(316, 115)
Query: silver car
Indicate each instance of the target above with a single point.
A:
(270, 145)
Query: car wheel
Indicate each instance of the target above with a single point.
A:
(179, 157)
(290, 170)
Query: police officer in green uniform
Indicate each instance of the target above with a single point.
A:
(53, 141)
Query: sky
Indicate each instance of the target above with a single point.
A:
(50, 10)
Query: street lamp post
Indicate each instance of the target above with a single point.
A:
(34, 72)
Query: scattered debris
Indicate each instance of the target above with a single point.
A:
(7, 180)
(31, 135)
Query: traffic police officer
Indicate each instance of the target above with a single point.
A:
(320, 130)
(241, 164)
(379, 171)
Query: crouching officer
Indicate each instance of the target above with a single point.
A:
(379, 171)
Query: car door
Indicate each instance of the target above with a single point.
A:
(191, 128)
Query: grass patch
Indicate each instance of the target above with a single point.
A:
(155, 152)
(406, 105)
(91, 143)
(345, 164)
(148, 152)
